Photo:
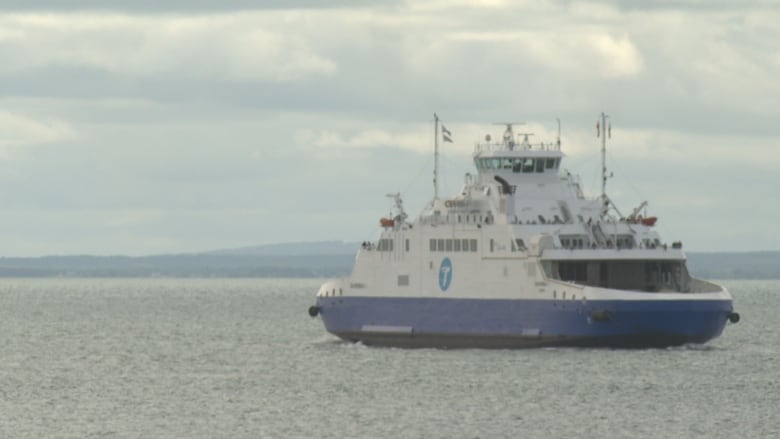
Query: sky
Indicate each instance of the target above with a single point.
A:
(152, 127)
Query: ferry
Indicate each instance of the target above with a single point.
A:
(520, 258)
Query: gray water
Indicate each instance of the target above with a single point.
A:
(174, 358)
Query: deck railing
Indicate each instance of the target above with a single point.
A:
(518, 146)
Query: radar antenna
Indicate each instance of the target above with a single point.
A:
(509, 134)
(526, 143)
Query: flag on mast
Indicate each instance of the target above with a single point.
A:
(446, 135)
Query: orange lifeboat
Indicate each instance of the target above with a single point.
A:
(387, 222)
(649, 221)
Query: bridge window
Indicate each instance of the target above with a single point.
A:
(433, 245)
(539, 165)
(448, 245)
(456, 245)
(440, 245)
(474, 245)
(549, 164)
(528, 165)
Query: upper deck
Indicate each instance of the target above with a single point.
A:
(515, 160)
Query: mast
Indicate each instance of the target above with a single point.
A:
(435, 156)
(603, 133)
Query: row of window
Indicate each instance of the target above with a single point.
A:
(622, 242)
(573, 243)
(524, 165)
(453, 245)
(470, 245)
(385, 245)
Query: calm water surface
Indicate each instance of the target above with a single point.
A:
(173, 358)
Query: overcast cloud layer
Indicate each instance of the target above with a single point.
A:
(134, 128)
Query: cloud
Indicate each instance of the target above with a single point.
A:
(186, 6)
(584, 53)
(172, 126)
(245, 47)
(19, 130)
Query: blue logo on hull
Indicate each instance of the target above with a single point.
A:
(445, 274)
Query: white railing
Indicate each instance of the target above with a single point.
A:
(503, 146)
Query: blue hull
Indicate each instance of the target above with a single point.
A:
(493, 323)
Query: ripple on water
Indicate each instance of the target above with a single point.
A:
(242, 358)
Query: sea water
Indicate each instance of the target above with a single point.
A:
(227, 358)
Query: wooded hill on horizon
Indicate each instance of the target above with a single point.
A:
(312, 260)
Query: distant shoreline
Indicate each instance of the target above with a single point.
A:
(711, 265)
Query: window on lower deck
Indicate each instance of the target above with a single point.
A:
(573, 271)
(648, 276)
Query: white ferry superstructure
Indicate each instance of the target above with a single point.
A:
(521, 258)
